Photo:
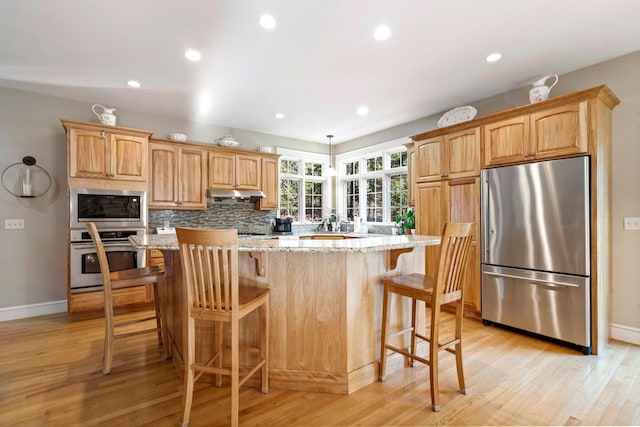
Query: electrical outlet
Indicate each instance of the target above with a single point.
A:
(14, 224)
(631, 223)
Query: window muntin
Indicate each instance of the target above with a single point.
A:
(374, 200)
(312, 169)
(380, 190)
(289, 167)
(352, 168)
(313, 201)
(374, 164)
(303, 189)
(289, 197)
(352, 194)
(398, 159)
(398, 195)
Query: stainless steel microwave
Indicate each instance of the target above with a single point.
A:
(107, 208)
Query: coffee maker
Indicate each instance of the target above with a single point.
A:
(283, 225)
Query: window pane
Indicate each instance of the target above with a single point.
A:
(374, 199)
(374, 164)
(399, 200)
(289, 166)
(313, 169)
(399, 159)
(289, 191)
(353, 168)
(313, 201)
(352, 193)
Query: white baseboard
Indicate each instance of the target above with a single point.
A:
(32, 310)
(625, 333)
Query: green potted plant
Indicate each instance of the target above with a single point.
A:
(409, 222)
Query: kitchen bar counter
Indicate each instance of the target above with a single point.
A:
(306, 242)
(325, 303)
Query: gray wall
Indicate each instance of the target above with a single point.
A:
(621, 75)
(33, 263)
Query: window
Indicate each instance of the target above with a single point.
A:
(303, 192)
(374, 183)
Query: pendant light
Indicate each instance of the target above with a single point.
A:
(330, 170)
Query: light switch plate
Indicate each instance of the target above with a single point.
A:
(631, 223)
(14, 224)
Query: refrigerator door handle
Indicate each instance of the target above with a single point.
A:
(548, 282)
(484, 202)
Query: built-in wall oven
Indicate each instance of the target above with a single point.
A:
(84, 265)
(117, 214)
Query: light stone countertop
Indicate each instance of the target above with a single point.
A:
(301, 242)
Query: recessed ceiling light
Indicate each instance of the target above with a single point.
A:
(494, 57)
(192, 55)
(279, 116)
(133, 83)
(362, 111)
(267, 22)
(382, 33)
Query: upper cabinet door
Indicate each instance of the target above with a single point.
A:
(462, 153)
(554, 132)
(128, 157)
(192, 178)
(430, 160)
(559, 131)
(506, 141)
(248, 169)
(222, 170)
(164, 175)
(88, 154)
(106, 155)
(270, 184)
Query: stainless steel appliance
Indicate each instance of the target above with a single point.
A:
(283, 225)
(107, 208)
(84, 265)
(536, 249)
(117, 214)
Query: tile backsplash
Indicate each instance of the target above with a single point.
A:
(236, 214)
(219, 214)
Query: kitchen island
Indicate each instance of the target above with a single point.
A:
(325, 302)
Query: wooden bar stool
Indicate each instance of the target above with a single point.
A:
(122, 279)
(445, 288)
(210, 270)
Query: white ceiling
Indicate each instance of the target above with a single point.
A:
(316, 67)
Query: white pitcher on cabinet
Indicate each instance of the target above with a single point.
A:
(540, 91)
(106, 117)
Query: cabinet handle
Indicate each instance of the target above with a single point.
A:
(532, 154)
(526, 155)
(444, 175)
(102, 133)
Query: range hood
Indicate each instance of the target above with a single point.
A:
(218, 194)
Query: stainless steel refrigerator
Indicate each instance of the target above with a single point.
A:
(536, 256)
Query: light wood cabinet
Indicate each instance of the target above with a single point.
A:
(569, 125)
(235, 171)
(449, 156)
(106, 153)
(178, 176)
(550, 133)
(270, 183)
(456, 200)
(411, 174)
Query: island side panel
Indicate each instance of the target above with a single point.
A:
(307, 318)
(364, 311)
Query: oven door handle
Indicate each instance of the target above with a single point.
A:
(106, 245)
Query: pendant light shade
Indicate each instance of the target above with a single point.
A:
(330, 171)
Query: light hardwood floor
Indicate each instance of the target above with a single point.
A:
(50, 376)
